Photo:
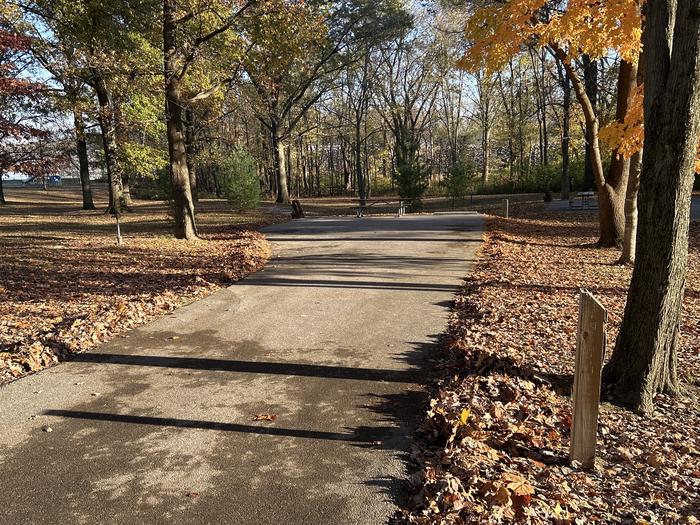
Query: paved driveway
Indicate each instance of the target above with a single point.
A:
(331, 340)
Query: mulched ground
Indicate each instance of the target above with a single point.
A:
(493, 447)
(65, 286)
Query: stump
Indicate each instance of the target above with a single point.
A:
(297, 210)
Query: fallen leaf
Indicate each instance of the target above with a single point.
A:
(265, 417)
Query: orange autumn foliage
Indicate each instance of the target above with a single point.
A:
(498, 32)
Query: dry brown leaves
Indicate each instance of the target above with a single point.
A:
(494, 445)
(66, 287)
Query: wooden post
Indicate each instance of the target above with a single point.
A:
(119, 231)
(590, 351)
(505, 208)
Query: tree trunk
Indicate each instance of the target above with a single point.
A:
(357, 150)
(189, 148)
(611, 198)
(81, 147)
(645, 356)
(280, 168)
(565, 135)
(485, 144)
(630, 243)
(590, 79)
(109, 143)
(120, 138)
(126, 189)
(2, 191)
(545, 133)
(611, 191)
(183, 206)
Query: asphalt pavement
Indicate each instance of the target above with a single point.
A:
(288, 398)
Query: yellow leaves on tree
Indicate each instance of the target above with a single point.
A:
(627, 136)
(498, 32)
(282, 34)
(595, 28)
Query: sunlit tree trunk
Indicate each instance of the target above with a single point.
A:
(629, 245)
(611, 196)
(611, 189)
(183, 205)
(644, 361)
(279, 166)
(120, 138)
(109, 142)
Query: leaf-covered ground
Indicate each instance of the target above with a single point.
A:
(65, 286)
(493, 447)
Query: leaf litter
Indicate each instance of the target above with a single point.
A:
(66, 287)
(493, 446)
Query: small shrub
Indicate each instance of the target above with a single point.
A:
(460, 180)
(240, 182)
(411, 182)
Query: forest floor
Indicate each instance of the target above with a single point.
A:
(66, 286)
(493, 446)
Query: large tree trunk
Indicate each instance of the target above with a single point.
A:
(183, 206)
(81, 146)
(109, 143)
(280, 167)
(2, 191)
(644, 360)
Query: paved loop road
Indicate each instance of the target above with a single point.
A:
(331, 338)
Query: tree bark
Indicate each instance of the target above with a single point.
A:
(2, 191)
(189, 148)
(611, 197)
(590, 80)
(485, 145)
(629, 245)
(109, 143)
(565, 135)
(611, 190)
(645, 357)
(280, 168)
(83, 161)
(120, 139)
(357, 149)
(183, 206)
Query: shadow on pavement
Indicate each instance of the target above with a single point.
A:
(253, 367)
